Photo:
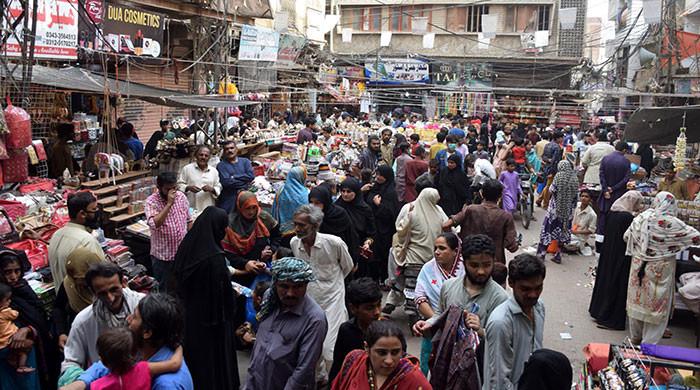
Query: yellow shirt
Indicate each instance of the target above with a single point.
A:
(436, 148)
(676, 187)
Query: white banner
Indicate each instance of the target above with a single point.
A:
(429, 41)
(419, 25)
(56, 29)
(567, 18)
(488, 23)
(652, 11)
(347, 35)
(258, 44)
(484, 43)
(385, 39)
(541, 38)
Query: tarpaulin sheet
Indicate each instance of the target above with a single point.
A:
(82, 80)
(661, 125)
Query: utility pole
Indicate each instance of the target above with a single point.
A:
(672, 42)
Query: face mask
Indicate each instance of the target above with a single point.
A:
(452, 146)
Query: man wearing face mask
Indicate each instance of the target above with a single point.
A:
(84, 217)
(168, 218)
(331, 263)
(444, 154)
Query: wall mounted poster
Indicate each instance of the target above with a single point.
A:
(122, 29)
(56, 29)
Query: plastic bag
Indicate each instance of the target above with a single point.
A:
(20, 125)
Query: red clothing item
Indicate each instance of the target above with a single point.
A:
(518, 154)
(353, 375)
(414, 168)
(138, 378)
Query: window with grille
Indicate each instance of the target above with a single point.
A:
(466, 18)
(543, 18)
(362, 18)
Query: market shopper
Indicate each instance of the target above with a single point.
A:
(515, 328)
(583, 226)
(33, 328)
(370, 157)
(74, 294)
(556, 227)
(127, 135)
(291, 332)
(593, 157)
(308, 133)
(609, 298)
(654, 239)
(363, 224)
(453, 185)
(331, 263)
(414, 168)
(156, 326)
(438, 145)
(489, 219)
(552, 154)
(336, 220)
(674, 185)
(387, 147)
(400, 162)
(418, 224)
(381, 197)
(202, 283)
(546, 370)
(199, 181)
(61, 155)
(114, 304)
(382, 364)
(235, 175)
(84, 216)
(615, 173)
(168, 218)
(292, 195)
(443, 155)
(445, 265)
(150, 150)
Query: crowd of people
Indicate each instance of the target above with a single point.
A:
(321, 260)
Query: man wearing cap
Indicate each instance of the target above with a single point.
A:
(291, 332)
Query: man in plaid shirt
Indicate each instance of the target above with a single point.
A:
(168, 217)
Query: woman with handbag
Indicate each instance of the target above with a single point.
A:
(418, 225)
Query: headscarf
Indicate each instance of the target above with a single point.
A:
(628, 202)
(201, 242)
(546, 370)
(656, 234)
(358, 210)
(388, 209)
(293, 194)
(335, 219)
(354, 371)
(242, 233)
(566, 183)
(534, 161)
(289, 269)
(77, 264)
(424, 225)
(453, 184)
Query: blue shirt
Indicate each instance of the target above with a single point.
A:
(180, 380)
(234, 177)
(442, 157)
(136, 147)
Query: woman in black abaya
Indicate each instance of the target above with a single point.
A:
(453, 186)
(384, 202)
(609, 300)
(362, 222)
(335, 219)
(204, 288)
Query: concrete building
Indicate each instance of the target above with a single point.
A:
(593, 42)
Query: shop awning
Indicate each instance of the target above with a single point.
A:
(82, 80)
(660, 125)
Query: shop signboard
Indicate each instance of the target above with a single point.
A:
(327, 74)
(397, 71)
(352, 73)
(469, 75)
(289, 49)
(56, 29)
(258, 44)
(122, 29)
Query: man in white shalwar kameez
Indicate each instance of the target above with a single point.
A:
(329, 258)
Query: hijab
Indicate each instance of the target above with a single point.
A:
(453, 184)
(293, 194)
(201, 242)
(358, 210)
(242, 234)
(77, 264)
(629, 202)
(424, 225)
(335, 219)
(656, 234)
(546, 370)
(566, 183)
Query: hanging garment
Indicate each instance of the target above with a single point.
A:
(453, 361)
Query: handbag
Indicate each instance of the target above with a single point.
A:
(13, 208)
(37, 252)
(15, 169)
(38, 184)
(20, 125)
(399, 247)
(8, 232)
(40, 150)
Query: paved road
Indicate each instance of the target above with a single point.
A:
(567, 292)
